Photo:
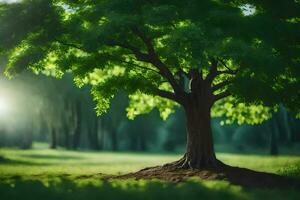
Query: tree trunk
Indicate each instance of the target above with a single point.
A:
(102, 134)
(67, 136)
(199, 150)
(53, 139)
(114, 140)
(273, 140)
(93, 134)
(77, 132)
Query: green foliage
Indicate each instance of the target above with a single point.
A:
(88, 37)
(236, 111)
(142, 103)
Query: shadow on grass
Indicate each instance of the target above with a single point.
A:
(7, 161)
(67, 189)
(58, 157)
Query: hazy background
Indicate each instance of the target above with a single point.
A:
(37, 110)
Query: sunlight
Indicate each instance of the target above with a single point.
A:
(248, 9)
(9, 1)
(4, 106)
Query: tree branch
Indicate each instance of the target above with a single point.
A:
(70, 45)
(138, 54)
(221, 96)
(221, 85)
(154, 59)
(230, 72)
(138, 66)
(212, 71)
(168, 95)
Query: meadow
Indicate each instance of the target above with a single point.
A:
(61, 174)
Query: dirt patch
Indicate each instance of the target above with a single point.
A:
(235, 175)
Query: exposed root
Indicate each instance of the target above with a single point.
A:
(180, 170)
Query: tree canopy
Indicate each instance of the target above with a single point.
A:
(150, 48)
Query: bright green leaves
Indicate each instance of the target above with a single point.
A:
(140, 103)
(109, 82)
(235, 111)
(22, 56)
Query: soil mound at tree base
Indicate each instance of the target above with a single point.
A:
(235, 175)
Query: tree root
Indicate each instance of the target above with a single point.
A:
(185, 163)
(180, 170)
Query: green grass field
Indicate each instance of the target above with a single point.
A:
(42, 174)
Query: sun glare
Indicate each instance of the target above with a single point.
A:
(4, 106)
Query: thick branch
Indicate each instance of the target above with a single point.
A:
(181, 75)
(138, 54)
(154, 59)
(221, 95)
(221, 85)
(146, 40)
(168, 95)
(212, 71)
(230, 72)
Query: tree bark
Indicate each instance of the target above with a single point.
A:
(199, 150)
(197, 105)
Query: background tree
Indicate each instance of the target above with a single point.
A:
(191, 54)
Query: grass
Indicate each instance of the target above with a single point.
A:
(59, 174)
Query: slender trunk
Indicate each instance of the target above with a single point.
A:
(97, 146)
(273, 140)
(143, 145)
(102, 134)
(76, 137)
(53, 139)
(93, 134)
(77, 132)
(114, 141)
(66, 138)
(199, 150)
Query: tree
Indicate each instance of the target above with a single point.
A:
(239, 58)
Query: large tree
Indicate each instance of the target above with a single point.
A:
(237, 58)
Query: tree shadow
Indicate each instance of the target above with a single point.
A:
(250, 178)
(58, 157)
(8, 161)
(67, 189)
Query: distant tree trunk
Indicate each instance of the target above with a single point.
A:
(143, 145)
(67, 136)
(273, 144)
(273, 140)
(96, 137)
(77, 133)
(93, 134)
(114, 140)
(53, 139)
(27, 140)
(102, 134)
